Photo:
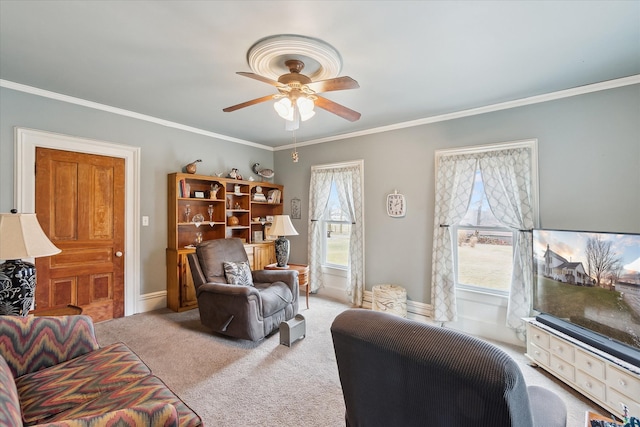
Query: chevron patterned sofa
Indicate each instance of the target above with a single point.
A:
(53, 373)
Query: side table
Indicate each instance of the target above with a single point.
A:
(303, 275)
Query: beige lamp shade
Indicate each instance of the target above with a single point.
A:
(282, 226)
(22, 237)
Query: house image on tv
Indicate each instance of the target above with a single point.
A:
(560, 269)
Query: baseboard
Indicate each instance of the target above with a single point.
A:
(152, 301)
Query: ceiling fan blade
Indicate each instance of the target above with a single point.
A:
(248, 103)
(262, 79)
(340, 110)
(339, 83)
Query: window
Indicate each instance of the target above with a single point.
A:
(483, 255)
(485, 207)
(336, 226)
(336, 232)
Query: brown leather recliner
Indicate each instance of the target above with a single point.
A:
(247, 312)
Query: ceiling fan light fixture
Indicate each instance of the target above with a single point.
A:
(291, 125)
(305, 105)
(306, 116)
(284, 108)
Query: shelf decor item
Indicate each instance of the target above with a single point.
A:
(20, 237)
(213, 193)
(282, 227)
(197, 220)
(191, 167)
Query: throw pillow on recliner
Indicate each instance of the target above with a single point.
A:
(238, 273)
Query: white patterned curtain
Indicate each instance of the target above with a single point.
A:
(348, 182)
(319, 191)
(506, 175)
(454, 183)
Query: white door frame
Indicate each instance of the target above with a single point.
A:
(26, 141)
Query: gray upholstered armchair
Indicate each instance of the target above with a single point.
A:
(240, 311)
(399, 372)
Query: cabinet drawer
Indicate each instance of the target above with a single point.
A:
(562, 368)
(616, 400)
(623, 382)
(539, 355)
(539, 337)
(590, 364)
(591, 385)
(562, 349)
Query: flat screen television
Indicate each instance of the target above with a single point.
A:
(587, 285)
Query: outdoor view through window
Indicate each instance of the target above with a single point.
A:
(484, 255)
(336, 233)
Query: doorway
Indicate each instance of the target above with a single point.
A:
(27, 140)
(80, 206)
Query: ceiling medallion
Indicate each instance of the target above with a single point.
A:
(267, 56)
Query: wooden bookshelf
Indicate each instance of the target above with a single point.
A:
(216, 199)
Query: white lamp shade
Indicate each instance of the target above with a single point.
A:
(282, 226)
(22, 237)
(305, 107)
(306, 116)
(284, 108)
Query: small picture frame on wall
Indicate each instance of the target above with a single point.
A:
(296, 210)
(198, 194)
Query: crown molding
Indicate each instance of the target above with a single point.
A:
(127, 113)
(580, 90)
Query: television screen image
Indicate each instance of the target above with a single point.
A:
(591, 280)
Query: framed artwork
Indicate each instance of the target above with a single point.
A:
(198, 194)
(296, 210)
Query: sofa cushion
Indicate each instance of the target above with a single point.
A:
(275, 297)
(49, 392)
(135, 394)
(238, 273)
(9, 401)
(33, 343)
(212, 252)
(150, 414)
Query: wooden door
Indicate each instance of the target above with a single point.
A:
(80, 206)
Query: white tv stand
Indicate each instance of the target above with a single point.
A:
(605, 379)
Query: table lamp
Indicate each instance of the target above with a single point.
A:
(20, 237)
(282, 227)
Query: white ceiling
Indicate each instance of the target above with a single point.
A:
(176, 60)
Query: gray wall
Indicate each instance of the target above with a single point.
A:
(589, 164)
(589, 176)
(163, 150)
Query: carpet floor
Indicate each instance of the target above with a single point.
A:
(232, 383)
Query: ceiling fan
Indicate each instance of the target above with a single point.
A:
(298, 95)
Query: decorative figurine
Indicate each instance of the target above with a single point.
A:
(265, 173)
(191, 167)
(213, 193)
(187, 213)
(234, 174)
